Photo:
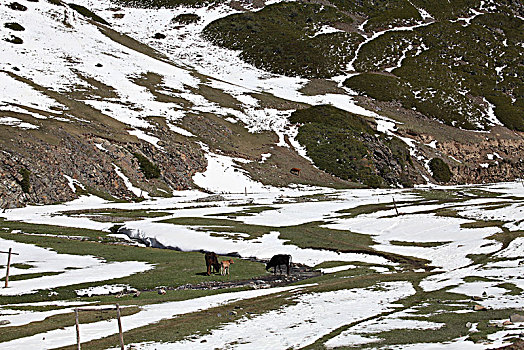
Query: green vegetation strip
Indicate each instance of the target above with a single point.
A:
(171, 268)
(60, 321)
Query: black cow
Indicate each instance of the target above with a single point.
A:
(279, 260)
(212, 262)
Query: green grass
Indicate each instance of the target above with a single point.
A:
(418, 244)
(14, 26)
(60, 321)
(22, 266)
(512, 288)
(443, 58)
(343, 144)
(119, 213)
(171, 268)
(28, 276)
(51, 229)
(281, 38)
(482, 224)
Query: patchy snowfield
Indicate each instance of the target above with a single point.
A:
(67, 269)
(472, 244)
(447, 242)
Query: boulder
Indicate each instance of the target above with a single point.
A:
(478, 307)
(516, 318)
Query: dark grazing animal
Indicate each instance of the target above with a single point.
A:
(212, 262)
(295, 171)
(279, 260)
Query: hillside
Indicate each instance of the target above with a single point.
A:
(132, 99)
(373, 146)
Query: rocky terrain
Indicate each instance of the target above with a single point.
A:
(136, 109)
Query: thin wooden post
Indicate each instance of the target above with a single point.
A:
(120, 327)
(395, 204)
(8, 264)
(120, 332)
(77, 329)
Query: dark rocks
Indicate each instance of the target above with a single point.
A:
(14, 26)
(17, 7)
(516, 318)
(159, 36)
(14, 40)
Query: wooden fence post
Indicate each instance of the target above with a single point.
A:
(9, 253)
(120, 327)
(77, 329)
(8, 264)
(120, 332)
(395, 204)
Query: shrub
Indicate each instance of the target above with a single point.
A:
(14, 40)
(440, 170)
(17, 7)
(150, 170)
(186, 18)
(14, 26)
(88, 13)
(282, 38)
(343, 144)
(25, 183)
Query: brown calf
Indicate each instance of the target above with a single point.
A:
(224, 266)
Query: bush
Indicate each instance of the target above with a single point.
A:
(282, 38)
(14, 40)
(150, 170)
(25, 183)
(88, 13)
(17, 7)
(186, 18)
(343, 144)
(14, 26)
(440, 170)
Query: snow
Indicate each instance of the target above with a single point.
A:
(337, 268)
(148, 138)
(136, 191)
(71, 269)
(101, 290)
(514, 250)
(22, 317)
(189, 239)
(148, 315)
(296, 326)
(326, 29)
(14, 92)
(223, 175)
(15, 122)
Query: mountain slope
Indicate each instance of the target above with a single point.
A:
(129, 102)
